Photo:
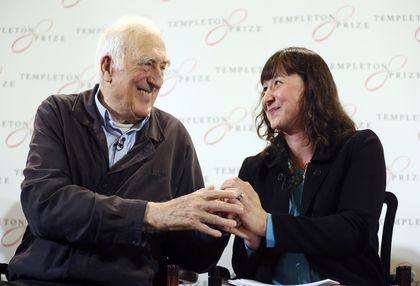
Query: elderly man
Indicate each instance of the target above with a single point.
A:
(110, 183)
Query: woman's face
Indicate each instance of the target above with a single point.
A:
(281, 101)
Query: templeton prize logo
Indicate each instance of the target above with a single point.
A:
(23, 130)
(84, 80)
(14, 229)
(23, 43)
(351, 110)
(218, 131)
(325, 29)
(378, 79)
(69, 3)
(178, 74)
(398, 171)
(219, 33)
(5, 83)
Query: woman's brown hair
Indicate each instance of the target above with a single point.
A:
(324, 119)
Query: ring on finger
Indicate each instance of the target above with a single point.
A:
(240, 196)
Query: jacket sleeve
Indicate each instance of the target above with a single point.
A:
(59, 210)
(344, 216)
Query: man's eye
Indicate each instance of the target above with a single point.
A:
(277, 82)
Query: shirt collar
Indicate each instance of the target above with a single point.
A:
(108, 120)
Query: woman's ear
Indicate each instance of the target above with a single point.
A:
(106, 69)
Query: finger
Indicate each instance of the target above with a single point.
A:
(210, 188)
(222, 206)
(230, 183)
(239, 233)
(204, 228)
(226, 185)
(218, 220)
(221, 194)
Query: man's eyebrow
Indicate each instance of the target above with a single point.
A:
(147, 60)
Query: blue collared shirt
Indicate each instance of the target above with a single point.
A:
(118, 142)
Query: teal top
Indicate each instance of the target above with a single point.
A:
(294, 268)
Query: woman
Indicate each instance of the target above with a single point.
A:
(313, 196)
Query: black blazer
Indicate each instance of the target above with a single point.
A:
(342, 200)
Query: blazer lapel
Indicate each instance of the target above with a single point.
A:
(316, 173)
(278, 199)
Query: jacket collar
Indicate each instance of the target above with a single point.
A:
(316, 173)
(87, 114)
(321, 154)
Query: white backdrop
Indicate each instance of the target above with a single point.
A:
(217, 49)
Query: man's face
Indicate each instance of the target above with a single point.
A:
(130, 92)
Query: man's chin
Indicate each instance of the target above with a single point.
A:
(143, 113)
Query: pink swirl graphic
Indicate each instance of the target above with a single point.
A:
(12, 236)
(19, 135)
(69, 3)
(219, 131)
(417, 34)
(398, 165)
(325, 30)
(219, 33)
(384, 75)
(74, 86)
(172, 81)
(23, 43)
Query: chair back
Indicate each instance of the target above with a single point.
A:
(3, 270)
(391, 202)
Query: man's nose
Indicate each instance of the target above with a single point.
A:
(156, 77)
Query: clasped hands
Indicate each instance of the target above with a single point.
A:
(235, 208)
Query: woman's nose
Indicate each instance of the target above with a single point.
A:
(267, 96)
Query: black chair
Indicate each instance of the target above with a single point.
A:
(391, 202)
(3, 269)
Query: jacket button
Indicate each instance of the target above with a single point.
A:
(317, 172)
(135, 242)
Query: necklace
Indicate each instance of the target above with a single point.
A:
(297, 175)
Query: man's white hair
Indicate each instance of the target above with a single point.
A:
(115, 41)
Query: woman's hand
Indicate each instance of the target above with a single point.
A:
(253, 220)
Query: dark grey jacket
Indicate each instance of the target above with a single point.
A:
(85, 219)
(342, 200)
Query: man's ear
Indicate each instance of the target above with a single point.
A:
(106, 69)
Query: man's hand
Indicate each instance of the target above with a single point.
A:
(194, 211)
